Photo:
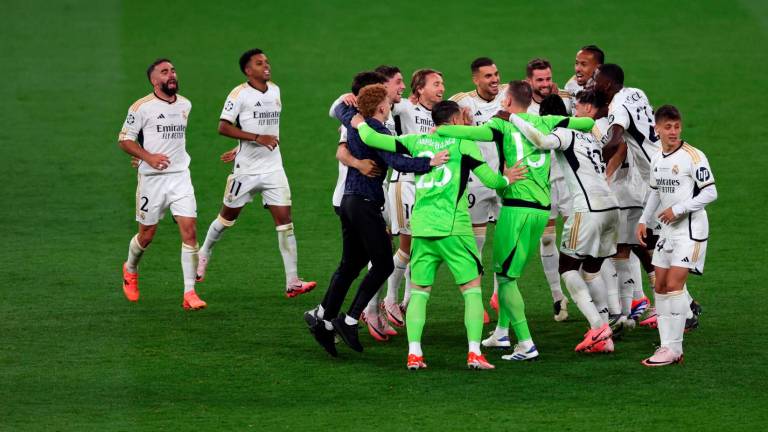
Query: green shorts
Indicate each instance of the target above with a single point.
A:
(458, 252)
(517, 236)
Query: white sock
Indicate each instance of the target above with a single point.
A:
(474, 347)
(480, 232)
(401, 260)
(636, 272)
(320, 311)
(415, 348)
(580, 295)
(500, 332)
(407, 291)
(626, 284)
(689, 299)
(679, 307)
(287, 242)
(598, 293)
(214, 234)
(495, 284)
(188, 266)
(663, 318)
(611, 280)
(348, 320)
(135, 251)
(327, 325)
(550, 260)
(525, 345)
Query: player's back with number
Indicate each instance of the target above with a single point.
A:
(441, 200)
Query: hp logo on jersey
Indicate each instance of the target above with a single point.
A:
(702, 174)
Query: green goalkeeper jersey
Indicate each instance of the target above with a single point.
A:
(441, 207)
(534, 190)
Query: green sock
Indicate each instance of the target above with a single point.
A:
(473, 313)
(511, 300)
(416, 315)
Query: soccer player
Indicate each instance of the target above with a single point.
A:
(442, 225)
(525, 210)
(682, 184)
(630, 135)
(251, 115)
(412, 116)
(539, 75)
(588, 58)
(589, 236)
(481, 105)
(364, 234)
(155, 132)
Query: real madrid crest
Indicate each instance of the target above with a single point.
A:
(675, 169)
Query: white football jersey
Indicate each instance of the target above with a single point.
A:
(482, 110)
(256, 112)
(679, 176)
(409, 119)
(338, 191)
(631, 109)
(160, 127)
(554, 169)
(581, 160)
(626, 184)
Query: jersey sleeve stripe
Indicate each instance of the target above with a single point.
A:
(236, 91)
(692, 152)
(458, 96)
(140, 102)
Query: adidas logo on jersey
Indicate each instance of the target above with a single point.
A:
(629, 281)
(478, 113)
(685, 259)
(258, 103)
(160, 117)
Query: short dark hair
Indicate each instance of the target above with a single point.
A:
(366, 78)
(588, 97)
(667, 112)
(536, 64)
(480, 62)
(443, 111)
(613, 72)
(521, 92)
(595, 51)
(246, 57)
(154, 64)
(552, 105)
(388, 71)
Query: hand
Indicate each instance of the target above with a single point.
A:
(467, 116)
(229, 156)
(440, 158)
(349, 99)
(640, 234)
(157, 161)
(555, 90)
(268, 141)
(517, 172)
(135, 161)
(667, 216)
(368, 168)
(356, 120)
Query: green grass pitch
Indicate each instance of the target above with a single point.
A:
(75, 355)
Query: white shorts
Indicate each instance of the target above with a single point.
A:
(680, 252)
(562, 203)
(156, 193)
(628, 219)
(273, 186)
(590, 234)
(402, 195)
(484, 204)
